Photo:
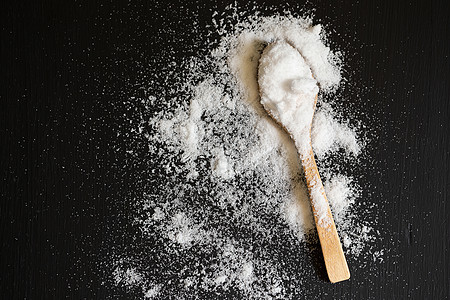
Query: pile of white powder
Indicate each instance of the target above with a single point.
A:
(288, 93)
(226, 210)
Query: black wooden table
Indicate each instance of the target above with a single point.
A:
(64, 67)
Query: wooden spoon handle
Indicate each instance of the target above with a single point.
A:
(333, 255)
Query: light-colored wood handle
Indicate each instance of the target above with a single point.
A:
(333, 255)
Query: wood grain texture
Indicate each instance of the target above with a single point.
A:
(335, 262)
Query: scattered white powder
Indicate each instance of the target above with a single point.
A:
(152, 292)
(181, 230)
(378, 255)
(298, 210)
(328, 135)
(131, 278)
(224, 210)
(341, 196)
(220, 165)
(128, 277)
(158, 214)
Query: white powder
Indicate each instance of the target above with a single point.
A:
(341, 196)
(288, 90)
(225, 182)
(181, 231)
(152, 292)
(329, 135)
(128, 277)
(288, 93)
(220, 165)
(131, 278)
(298, 210)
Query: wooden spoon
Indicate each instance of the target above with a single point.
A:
(333, 255)
(335, 262)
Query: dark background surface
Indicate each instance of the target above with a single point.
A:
(65, 68)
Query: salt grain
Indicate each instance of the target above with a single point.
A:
(226, 172)
(152, 292)
(220, 165)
